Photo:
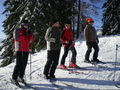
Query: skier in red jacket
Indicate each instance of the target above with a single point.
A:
(22, 37)
(67, 39)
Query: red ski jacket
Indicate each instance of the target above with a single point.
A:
(67, 37)
(22, 40)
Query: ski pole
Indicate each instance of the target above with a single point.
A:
(30, 66)
(115, 62)
(69, 60)
(69, 55)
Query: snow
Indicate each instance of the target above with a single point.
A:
(90, 77)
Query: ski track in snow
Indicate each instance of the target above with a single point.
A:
(90, 76)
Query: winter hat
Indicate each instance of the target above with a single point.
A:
(55, 20)
(89, 20)
(68, 22)
(25, 23)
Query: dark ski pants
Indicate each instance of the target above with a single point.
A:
(52, 62)
(91, 45)
(74, 53)
(21, 62)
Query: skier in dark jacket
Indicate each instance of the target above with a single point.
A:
(91, 41)
(67, 39)
(22, 39)
(52, 38)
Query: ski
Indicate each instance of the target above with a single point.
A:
(55, 85)
(25, 84)
(63, 83)
(74, 70)
(52, 82)
(16, 84)
(28, 86)
(98, 65)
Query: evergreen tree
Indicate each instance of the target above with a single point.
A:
(111, 17)
(40, 14)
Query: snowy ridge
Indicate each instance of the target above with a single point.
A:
(90, 77)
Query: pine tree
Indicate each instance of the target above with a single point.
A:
(40, 14)
(111, 17)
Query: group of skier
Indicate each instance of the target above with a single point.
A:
(55, 38)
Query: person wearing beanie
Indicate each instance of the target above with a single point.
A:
(67, 40)
(91, 42)
(22, 39)
(52, 38)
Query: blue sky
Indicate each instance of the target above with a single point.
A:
(2, 18)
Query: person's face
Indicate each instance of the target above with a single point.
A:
(57, 24)
(91, 23)
(26, 26)
(67, 25)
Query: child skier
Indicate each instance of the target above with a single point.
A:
(67, 39)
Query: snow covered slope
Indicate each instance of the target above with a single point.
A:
(89, 76)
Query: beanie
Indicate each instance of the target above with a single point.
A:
(55, 20)
(68, 22)
(89, 20)
(25, 22)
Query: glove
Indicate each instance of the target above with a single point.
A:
(57, 40)
(97, 41)
(70, 42)
(66, 43)
(52, 40)
(30, 51)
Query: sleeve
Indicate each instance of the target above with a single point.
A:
(97, 39)
(63, 37)
(86, 32)
(18, 35)
(48, 36)
(30, 38)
